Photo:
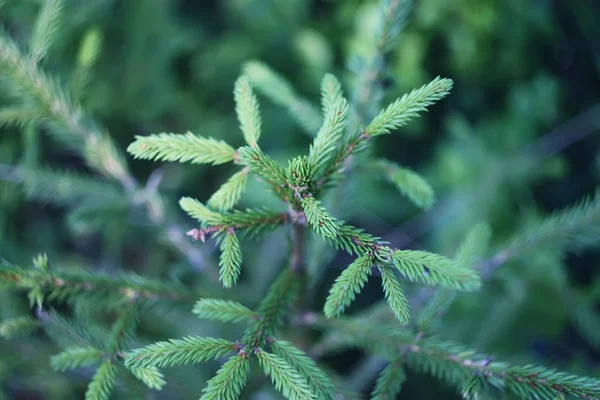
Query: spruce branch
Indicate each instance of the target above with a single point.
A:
(18, 326)
(151, 377)
(266, 167)
(274, 307)
(394, 295)
(318, 380)
(389, 382)
(230, 192)
(104, 290)
(319, 218)
(76, 357)
(367, 94)
(347, 285)
(248, 113)
(410, 184)
(185, 147)
(103, 381)
(433, 269)
(45, 29)
(72, 127)
(69, 124)
(335, 109)
(408, 106)
(280, 92)
(231, 259)
(223, 310)
(189, 350)
(229, 381)
(286, 378)
(572, 228)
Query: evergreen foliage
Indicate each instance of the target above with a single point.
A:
(121, 329)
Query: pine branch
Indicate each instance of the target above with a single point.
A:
(76, 357)
(280, 92)
(394, 295)
(248, 113)
(231, 259)
(389, 382)
(286, 379)
(229, 381)
(408, 106)
(189, 350)
(412, 185)
(185, 147)
(230, 192)
(318, 380)
(223, 310)
(45, 29)
(347, 285)
(103, 381)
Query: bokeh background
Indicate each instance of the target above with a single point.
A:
(517, 138)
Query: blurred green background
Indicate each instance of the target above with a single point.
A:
(516, 139)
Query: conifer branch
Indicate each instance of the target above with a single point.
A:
(185, 147)
(18, 326)
(319, 218)
(393, 293)
(229, 381)
(103, 381)
(410, 184)
(347, 285)
(572, 228)
(231, 259)
(230, 192)
(151, 377)
(286, 379)
(189, 350)
(274, 307)
(280, 92)
(389, 382)
(45, 29)
(318, 381)
(408, 106)
(433, 269)
(104, 290)
(335, 109)
(248, 113)
(73, 128)
(76, 357)
(223, 310)
(266, 167)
